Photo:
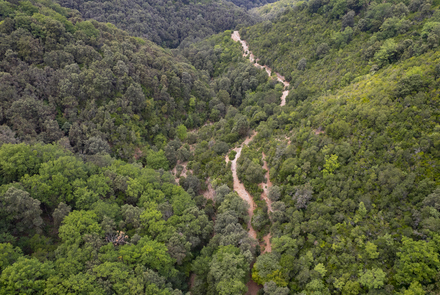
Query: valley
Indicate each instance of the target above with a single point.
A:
(220, 147)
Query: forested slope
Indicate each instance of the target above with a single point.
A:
(167, 23)
(324, 45)
(73, 219)
(273, 10)
(353, 157)
(248, 4)
(91, 85)
(93, 119)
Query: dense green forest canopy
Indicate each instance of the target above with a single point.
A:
(248, 4)
(113, 177)
(167, 23)
(91, 85)
(274, 10)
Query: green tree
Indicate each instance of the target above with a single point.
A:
(78, 223)
(8, 255)
(157, 160)
(418, 261)
(331, 164)
(181, 132)
(372, 278)
(371, 250)
(228, 270)
(26, 276)
(19, 212)
(267, 268)
(387, 53)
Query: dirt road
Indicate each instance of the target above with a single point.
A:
(236, 37)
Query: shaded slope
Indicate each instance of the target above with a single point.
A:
(167, 23)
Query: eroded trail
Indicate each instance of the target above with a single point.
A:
(236, 37)
(241, 190)
(266, 186)
(239, 187)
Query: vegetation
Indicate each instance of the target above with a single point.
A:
(273, 10)
(168, 23)
(92, 86)
(94, 119)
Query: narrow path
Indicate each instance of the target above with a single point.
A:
(241, 190)
(236, 37)
(239, 187)
(183, 173)
(266, 186)
(264, 196)
(210, 192)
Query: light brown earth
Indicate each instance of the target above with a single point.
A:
(266, 186)
(239, 187)
(183, 173)
(236, 37)
(210, 192)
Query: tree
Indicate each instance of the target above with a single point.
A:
(178, 248)
(302, 64)
(228, 270)
(157, 160)
(331, 164)
(322, 50)
(60, 212)
(418, 261)
(220, 147)
(274, 193)
(26, 276)
(224, 97)
(271, 288)
(20, 210)
(303, 195)
(8, 255)
(77, 224)
(371, 250)
(372, 278)
(415, 289)
(267, 268)
(81, 283)
(387, 53)
(181, 132)
(95, 145)
(220, 193)
(348, 19)
(241, 126)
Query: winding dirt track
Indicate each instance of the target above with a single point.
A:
(236, 37)
(266, 186)
(239, 187)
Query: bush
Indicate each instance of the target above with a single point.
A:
(232, 155)
(220, 147)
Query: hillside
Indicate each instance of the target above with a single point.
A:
(353, 157)
(167, 23)
(91, 85)
(74, 219)
(127, 168)
(249, 4)
(324, 46)
(273, 10)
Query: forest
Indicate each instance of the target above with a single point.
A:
(168, 23)
(142, 151)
